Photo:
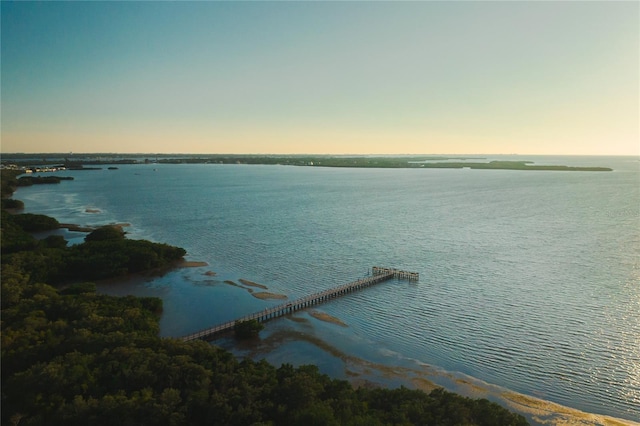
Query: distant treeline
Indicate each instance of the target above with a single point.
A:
(40, 180)
(383, 162)
(71, 356)
(319, 161)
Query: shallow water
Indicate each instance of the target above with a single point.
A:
(530, 280)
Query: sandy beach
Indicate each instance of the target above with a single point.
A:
(546, 412)
(362, 373)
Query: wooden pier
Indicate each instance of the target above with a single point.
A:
(378, 275)
(401, 275)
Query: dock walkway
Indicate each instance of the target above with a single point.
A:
(378, 275)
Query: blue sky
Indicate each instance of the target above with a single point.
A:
(321, 77)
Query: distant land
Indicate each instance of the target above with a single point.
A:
(80, 161)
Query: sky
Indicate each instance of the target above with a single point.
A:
(356, 77)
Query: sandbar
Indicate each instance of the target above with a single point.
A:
(252, 284)
(191, 264)
(327, 318)
(265, 295)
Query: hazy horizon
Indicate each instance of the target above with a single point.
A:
(306, 154)
(321, 78)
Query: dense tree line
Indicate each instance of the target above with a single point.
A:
(73, 357)
(10, 203)
(247, 329)
(40, 180)
(8, 182)
(105, 253)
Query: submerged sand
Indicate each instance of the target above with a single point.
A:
(252, 284)
(191, 264)
(362, 373)
(327, 318)
(547, 412)
(266, 295)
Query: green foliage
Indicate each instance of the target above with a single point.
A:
(73, 357)
(247, 329)
(54, 241)
(114, 257)
(14, 238)
(35, 222)
(79, 288)
(106, 253)
(10, 203)
(41, 180)
(9, 181)
(106, 233)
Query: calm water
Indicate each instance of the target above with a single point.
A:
(529, 280)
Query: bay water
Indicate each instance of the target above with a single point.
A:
(529, 280)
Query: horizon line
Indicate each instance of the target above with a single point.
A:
(307, 154)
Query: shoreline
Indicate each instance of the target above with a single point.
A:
(530, 403)
(361, 372)
(352, 161)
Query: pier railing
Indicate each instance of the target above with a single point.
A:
(397, 273)
(378, 275)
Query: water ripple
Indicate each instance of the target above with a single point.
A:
(527, 279)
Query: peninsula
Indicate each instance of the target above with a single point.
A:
(359, 161)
